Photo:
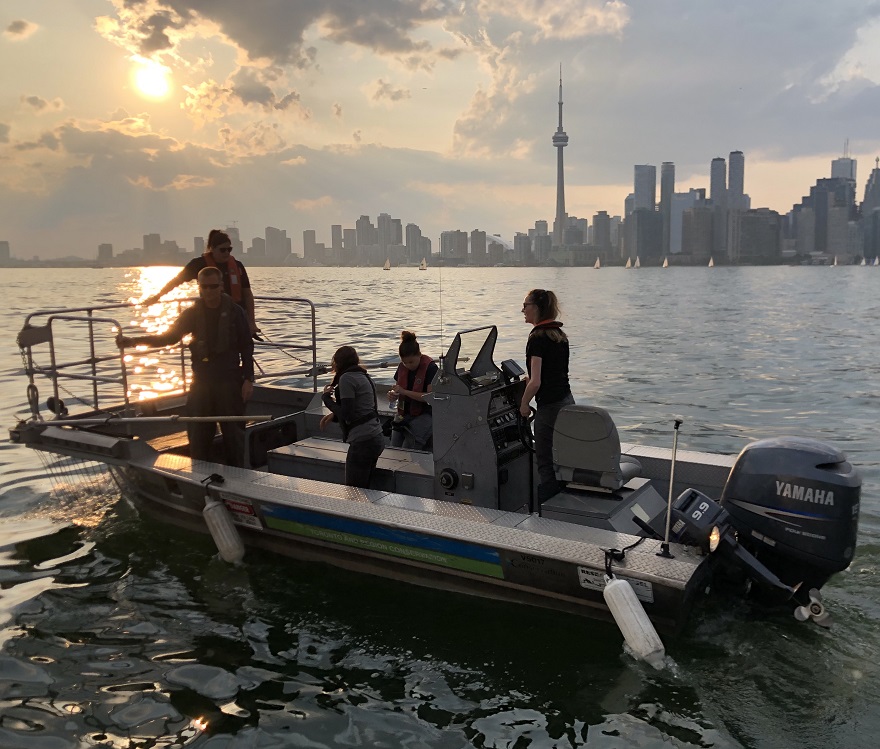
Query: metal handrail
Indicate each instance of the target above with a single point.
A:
(59, 369)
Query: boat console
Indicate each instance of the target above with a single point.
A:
(479, 458)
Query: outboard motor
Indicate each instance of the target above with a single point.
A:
(795, 505)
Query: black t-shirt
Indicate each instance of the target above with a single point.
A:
(430, 373)
(554, 366)
(191, 270)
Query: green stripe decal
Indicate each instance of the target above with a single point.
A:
(381, 546)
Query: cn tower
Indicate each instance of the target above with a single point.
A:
(560, 141)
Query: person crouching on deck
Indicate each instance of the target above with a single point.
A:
(222, 365)
(413, 425)
(351, 398)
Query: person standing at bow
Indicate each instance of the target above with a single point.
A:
(413, 425)
(547, 380)
(222, 365)
(235, 278)
(351, 398)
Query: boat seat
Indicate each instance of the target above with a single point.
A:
(586, 449)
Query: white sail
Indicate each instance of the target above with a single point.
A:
(423, 265)
(834, 264)
(628, 264)
(637, 263)
(597, 265)
(387, 265)
(863, 262)
(876, 260)
(711, 263)
(666, 262)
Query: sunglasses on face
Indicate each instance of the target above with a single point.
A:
(209, 285)
(223, 249)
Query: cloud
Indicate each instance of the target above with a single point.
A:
(20, 30)
(180, 182)
(563, 19)
(4, 132)
(384, 91)
(337, 111)
(294, 161)
(356, 136)
(256, 138)
(41, 105)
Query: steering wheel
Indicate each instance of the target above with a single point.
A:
(524, 425)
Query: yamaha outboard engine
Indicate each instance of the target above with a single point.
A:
(795, 505)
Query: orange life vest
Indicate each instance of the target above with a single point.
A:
(419, 384)
(232, 274)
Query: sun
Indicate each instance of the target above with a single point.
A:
(152, 79)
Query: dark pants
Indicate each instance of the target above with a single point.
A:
(545, 420)
(216, 398)
(361, 460)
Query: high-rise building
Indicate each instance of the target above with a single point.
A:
(198, 246)
(667, 191)
(718, 182)
(349, 247)
(5, 253)
(602, 232)
(277, 244)
(644, 187)
(413, 244)
(152, 245)
(872, 190)
(367, 234)
(736, 181)
(105, 252)
(385, 230)
(560, 141)
(336, 236)
(257, 248)
(844, 168)
(479, 254)
(235, 238)
(454, 245)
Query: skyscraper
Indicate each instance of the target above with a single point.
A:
(735, 181)
(718, 182)
(667, 191)
(644, 186)
(560, 141)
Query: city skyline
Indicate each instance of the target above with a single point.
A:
(303, 117)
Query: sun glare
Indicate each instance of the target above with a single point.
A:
(151, 79)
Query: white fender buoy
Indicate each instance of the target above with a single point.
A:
(223, 531)
(633, 622)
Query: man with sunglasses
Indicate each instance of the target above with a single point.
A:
(222, 365)
(235, 278)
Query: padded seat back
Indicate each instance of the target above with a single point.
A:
(586, 449)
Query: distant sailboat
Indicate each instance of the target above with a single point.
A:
(666, 262)
(876, 260)
(387, 265)
(863, 262)
(628, 264)
(423, 265)
(711, 263)
(597, 265)
(834, 264)
(637, 263)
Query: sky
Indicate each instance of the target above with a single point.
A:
(125, 117)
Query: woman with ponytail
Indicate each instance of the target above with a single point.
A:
(547, 381)
(413, 425)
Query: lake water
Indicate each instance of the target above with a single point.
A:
(118, 631)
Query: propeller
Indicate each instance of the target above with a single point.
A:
(815, 610)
